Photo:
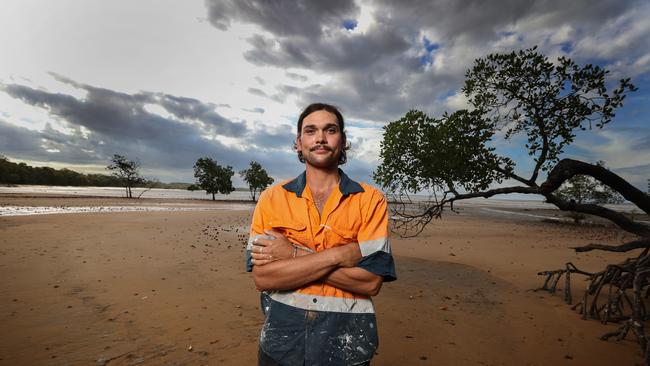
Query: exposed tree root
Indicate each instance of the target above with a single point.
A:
(616, 294)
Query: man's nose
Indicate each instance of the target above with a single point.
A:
(321, 137)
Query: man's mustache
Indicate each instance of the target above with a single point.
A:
(325, 147)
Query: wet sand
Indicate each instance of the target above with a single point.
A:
(134, 288)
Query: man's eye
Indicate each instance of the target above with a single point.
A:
(332, 130)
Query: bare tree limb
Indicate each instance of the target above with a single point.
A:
(567, 168)
(494, 192)
(635, 244)
(617, 218)
(542, 157)
(515, 176)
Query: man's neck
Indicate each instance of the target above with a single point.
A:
(321, 179)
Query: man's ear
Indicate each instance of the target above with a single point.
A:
(298, 144)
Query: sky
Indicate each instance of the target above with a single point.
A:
(166, 82)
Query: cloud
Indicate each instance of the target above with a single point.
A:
(296, 77)
(625, 151)
(104, 122)
(414, 54)
(636, 175)
(192, 109)
(309, 18)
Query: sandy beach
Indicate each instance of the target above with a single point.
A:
(169, 288)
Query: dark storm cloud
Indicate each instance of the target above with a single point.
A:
(106, 122)
(193, 109)
(483, 20)
(390, 67)
(19, 140)
(282, 138)
(353, 52)
(99, 101)
(284, 17)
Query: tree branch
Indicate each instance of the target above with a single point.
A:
(515, 176)
(636, 244)
(543, 154)
(618, 218)
(567, 168)
(494, 192)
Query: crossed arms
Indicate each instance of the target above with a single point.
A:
(275, 268)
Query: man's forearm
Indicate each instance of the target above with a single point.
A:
(355, 280)
(286, 274)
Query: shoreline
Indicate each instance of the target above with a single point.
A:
(59, 203)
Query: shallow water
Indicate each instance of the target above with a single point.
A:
(44, 210)
(119, 192)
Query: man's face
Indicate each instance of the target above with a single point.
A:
(320, 140)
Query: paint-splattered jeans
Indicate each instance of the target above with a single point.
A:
(296, 337)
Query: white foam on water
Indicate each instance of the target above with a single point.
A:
(48, 210)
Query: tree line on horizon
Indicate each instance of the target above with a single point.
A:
(210, 176)
(21, 173)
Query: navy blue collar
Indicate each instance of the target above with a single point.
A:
(346, 185)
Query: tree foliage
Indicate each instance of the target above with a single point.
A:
(212, 177)
(512, 95)
(257, 178)
(524, 92)
(462, 157)
(126, 171)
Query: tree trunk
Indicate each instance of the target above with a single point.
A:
(214, 199)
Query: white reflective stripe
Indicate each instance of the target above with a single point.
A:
(252, 238)
(372, 246)
(323, 303)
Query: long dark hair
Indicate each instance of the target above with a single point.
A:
(343, 158)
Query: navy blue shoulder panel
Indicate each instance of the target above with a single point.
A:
(381, 264)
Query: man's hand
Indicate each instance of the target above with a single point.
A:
(269, 250)
(348, 255)
(307, 267)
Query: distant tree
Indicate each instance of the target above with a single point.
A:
(586, 189)
(127, 171)
(212, 177)
(257, 179)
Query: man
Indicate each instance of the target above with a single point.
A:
(318, 250)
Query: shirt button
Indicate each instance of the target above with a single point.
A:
(314, 300)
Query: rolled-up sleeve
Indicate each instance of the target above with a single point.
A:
(373, 239)
(257, 230)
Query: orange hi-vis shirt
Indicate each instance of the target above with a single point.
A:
(353, 213)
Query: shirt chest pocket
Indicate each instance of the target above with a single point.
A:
(294, 231)
(340, 234)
